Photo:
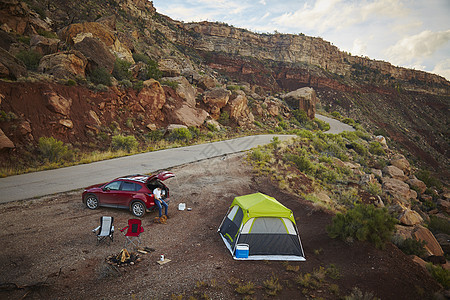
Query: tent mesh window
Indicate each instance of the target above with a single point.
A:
(230, 226)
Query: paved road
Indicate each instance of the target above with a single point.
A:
(49, 182)
(336, 127)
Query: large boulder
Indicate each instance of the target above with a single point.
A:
(394, 172)
(75, 33)
(398, 190)
(432, 246)
(5, 142)
(237, 107)
(152, 98)
(58, 104)
(63, 65)
(96, 52)
(184, 89)
(190, 116)
(304, 99)
(444, 240)
(16, 16)
(207, 82)
(417, 184)
(410, 217)
(11, 67)
(169, 67)
(216, 99)
(402, 163)
(43, 45)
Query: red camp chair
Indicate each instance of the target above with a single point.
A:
(134, 230)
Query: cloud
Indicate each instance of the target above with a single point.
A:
(443, 68)
(263, 2)
(359, 47)
(417, 47)
(338, 14)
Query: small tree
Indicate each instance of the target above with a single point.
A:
(30, 58)
(54, 150)
(100, 76)
(120, 71)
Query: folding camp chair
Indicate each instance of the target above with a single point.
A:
(105, 230)
(134, 230)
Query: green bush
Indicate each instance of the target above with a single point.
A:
(412, 247)
(195, 131)
(336, 114)
(365, 223)
(47, 34)
(348, 121)
(172, 84)
(30, 58)
(359, 148)
(428, 179)
(121, 142)
(323, 126)
(439, 225)
(153, 70)
(376, 149)
(440, 274)
(259, 155)
(141, 57)
(180, 134)
(71, 82)
(155, 135)
(300, 116)
(7, 116)
(224, 118)
(121, 69)
(54, 150)
(302, 162)
(100, 76)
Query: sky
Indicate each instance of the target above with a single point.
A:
(413, 34)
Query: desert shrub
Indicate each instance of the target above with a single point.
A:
(126, 83)
(319, 144)
(440, 274)
(257, 123)
(376, 148)
(7, 116)
(300, 115)
(325, 174)
(272, 286)
(304, 134)
(100, 76)
(155, 135)
(121, 69)
(348, 121)
(336, 114)
(224, 118)
(324, 126)
(195, 132)
(101, 88)
(153, 70)
(47, 34)
(138, 85)
(350, 135)
(365, 223)
(233, 87)
(71, 82)
(121, 142)
(30, 58)
(283, 125)
(307, 281)
(412, 247)
(180, 134)
(141, 57)
(302, 162)
(245, 289)
(54, 150)
(439, 225)
(357, 294)
(257, 154)
(359, 148)
(428, 179)
(171, 83)
(374, 189)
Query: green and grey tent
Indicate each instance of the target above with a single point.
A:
(264, 226)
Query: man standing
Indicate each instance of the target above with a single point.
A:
(159, 201)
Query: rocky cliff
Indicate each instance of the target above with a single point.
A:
(60, 46)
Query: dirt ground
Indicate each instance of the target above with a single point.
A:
(49, 252)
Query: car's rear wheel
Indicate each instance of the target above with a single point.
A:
(138, 209)
(91, 201)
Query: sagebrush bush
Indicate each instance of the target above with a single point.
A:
(100, 76)
(440, 274)
(324, 126)
(121, 69)
(30, 58)
(180, 134)
(302, 162)
(121, 142)
(365, 223)
(439, 225)
(412, 247)
(300, 115)
(376, 148)
(54, 150)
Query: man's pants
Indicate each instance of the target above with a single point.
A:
(160, 207)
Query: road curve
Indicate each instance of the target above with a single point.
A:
(336, 126)
(37, 184)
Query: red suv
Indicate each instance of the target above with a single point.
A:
(133, 192)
